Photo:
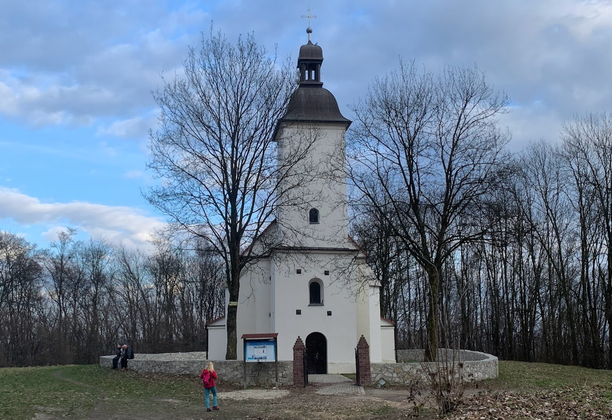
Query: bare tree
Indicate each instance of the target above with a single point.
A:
(20, 299)
(133, 298)
(96, 260)
(553, 228)
(432, 146)
(205, 277)
(385, 254)
(64, 285)
(587, 143)
(214, 150)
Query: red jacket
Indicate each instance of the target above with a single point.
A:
(211, 382)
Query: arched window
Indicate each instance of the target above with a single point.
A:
(313, 216)
(315, 290)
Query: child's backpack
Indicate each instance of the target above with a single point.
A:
(130, 353)
(207, 379)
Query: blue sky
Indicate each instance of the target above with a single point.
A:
(76, 79)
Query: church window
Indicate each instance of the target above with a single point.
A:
(313, 216)
(315, 289)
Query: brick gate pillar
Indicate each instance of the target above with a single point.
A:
(298, 361)
(363, 352)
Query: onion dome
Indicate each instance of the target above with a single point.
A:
(311, 102)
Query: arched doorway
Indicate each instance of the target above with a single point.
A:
(316, 348)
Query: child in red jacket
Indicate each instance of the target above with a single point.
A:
(208, 377)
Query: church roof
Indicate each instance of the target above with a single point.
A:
(216, 321)
(384, 322)
(311, 102)
(310, 51)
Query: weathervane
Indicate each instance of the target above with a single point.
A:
(309, 16)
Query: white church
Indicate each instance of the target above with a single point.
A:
(314, 282)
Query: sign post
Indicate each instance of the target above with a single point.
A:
(260, 348)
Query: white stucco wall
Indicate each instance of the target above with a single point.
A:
(363, 316)
(254, 302)
(369, 310)
(217, 342)
(292, 294)
(269, 305)
(388, 342)
(375, 340)
(317, 181)
(255, 295)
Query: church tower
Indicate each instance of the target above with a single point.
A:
(314, 212)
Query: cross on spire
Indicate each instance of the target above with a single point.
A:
(309, 16)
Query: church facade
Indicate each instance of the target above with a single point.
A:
(310, 279)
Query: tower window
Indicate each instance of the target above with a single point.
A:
(313, 216)
(315, 289)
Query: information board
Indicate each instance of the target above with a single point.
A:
(260, 351)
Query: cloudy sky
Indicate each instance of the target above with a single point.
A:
(76, 78)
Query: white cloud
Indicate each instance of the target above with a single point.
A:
(134, 174)
(530, 123)
(552, 51)
(108, 150)
(137, 127)
(77, 62)
(53, 233)
(116, 224)
(89, 59)
(55, 104)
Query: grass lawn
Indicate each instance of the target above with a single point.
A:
(523, 390)
(534, 376)
(77, 391)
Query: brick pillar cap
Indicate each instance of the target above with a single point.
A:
(362, 342)
(299, 344)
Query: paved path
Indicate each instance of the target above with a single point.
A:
(327, 379)
(335, 385)
(326, 384)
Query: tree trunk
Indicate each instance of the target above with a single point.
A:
(433, 316)
(232, 339)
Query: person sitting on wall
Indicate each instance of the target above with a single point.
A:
(117, 356)
(126, 353)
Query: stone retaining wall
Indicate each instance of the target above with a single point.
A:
(192, 363)
(475, 366)
(472, 365)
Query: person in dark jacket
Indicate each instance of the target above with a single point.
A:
(126, 353)
(117, 356)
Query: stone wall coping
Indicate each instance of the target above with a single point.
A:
(482, 366)
(417, 355)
